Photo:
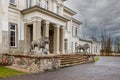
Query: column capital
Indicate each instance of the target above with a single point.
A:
(62, 27)
(36, 18)
(46, 22)
(56, 25)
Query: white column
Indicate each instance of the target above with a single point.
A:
(46, 31)
(25, 38)
(46, 28)
(62, 38)
(37, 28)
(56, 39)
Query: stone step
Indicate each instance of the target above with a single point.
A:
(72, 58)
(72, 62)
(67, 60)
(67, 65)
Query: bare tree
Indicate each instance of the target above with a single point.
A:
(117, 45)
(106, 43)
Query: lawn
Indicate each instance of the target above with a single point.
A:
(7, 72)
(96, 58)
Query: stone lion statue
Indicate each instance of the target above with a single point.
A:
(40, 44)
(83, 47)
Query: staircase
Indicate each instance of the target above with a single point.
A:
(73, 59)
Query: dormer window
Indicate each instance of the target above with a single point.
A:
(47, 4)
(39, 3)
(12, 2)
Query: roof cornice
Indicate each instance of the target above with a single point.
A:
(76, 21)
(85, 40)
(45, 11)
(69, 10)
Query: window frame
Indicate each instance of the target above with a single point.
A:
(11, 30)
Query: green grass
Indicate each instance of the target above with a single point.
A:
(96, 58)
(7, 72)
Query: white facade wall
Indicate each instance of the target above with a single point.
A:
(96, 47)
(0, 22)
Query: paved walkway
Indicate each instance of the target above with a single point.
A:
(107, 68)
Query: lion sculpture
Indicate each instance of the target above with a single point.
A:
(40, 44)
(83, 47)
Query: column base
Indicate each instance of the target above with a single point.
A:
(62, 52)
(56, 52)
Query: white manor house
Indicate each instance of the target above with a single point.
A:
(22, 21)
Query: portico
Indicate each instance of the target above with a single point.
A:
(38, 28)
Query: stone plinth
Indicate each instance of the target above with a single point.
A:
(34, 63)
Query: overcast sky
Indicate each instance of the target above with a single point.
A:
(97, 15)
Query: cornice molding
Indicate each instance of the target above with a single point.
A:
(76, 21)
(42, 10)
(69, 10)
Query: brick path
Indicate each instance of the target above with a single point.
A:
(107, 68)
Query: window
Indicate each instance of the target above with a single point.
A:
(66, 44)
(47, 4)
(72, 46)
(28, 3)
(75, 47)
(12, 1)
(12, 29)
(67, 25)
(75, 31)
(96, 49)
(72, 30)
(39, 3)
(58, 8)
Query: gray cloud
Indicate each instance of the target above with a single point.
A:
(96, 15)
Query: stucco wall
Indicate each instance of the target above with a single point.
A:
(0, 25)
